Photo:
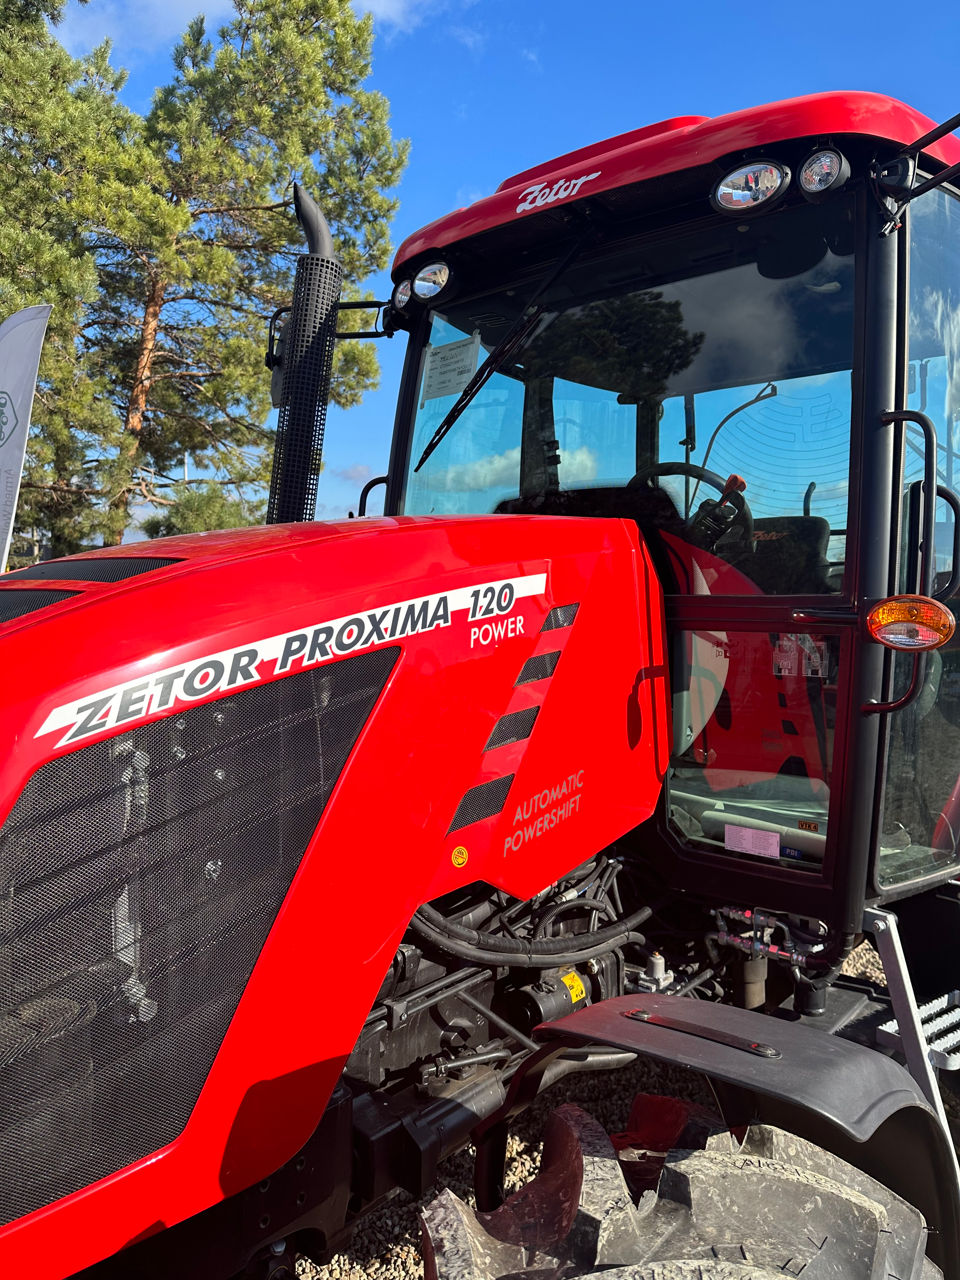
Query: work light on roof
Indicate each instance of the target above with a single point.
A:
(823, 172)
(429, 280)
(750, 186)
(401, 294)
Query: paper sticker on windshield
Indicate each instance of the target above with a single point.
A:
(762, 844)
(448, 369)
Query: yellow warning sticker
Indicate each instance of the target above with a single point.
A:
(574, 984)
(459, 856)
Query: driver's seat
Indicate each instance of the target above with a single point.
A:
(789, 556)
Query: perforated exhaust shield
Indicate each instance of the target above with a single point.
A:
(139, 877)
(309, 339)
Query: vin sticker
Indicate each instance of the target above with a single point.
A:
(251, 663)
(762, 844)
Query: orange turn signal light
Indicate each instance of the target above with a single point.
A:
(911, 623)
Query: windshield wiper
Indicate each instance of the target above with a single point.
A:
(508, 345)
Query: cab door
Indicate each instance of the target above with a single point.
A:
(769, 798)
(919, 819)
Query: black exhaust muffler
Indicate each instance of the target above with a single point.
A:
(304, 360)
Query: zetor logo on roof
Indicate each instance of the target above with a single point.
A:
(541, 194)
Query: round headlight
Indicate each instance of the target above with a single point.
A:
(401, 294)
(750, 186)
(822, 172)
(428, 281)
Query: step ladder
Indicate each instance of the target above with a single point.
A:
(940, 1028)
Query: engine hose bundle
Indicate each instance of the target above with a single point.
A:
(593, 905)
(539, 953)
(825, 977)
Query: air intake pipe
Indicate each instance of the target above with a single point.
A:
(304, 361)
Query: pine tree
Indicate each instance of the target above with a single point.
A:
(179, 241)
(62, 130)
(199, 250)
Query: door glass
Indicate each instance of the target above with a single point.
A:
(921, 811)
(793, 450)
(754, 718)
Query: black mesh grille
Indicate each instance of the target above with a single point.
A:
(481, 802)
(512, 728)
(96, 569)
(562, 616)
(309, 338)
(539, 667)
(14, 604)
(139, 878)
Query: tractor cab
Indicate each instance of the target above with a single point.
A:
(745, 358)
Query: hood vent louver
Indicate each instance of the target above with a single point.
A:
(15, 604)
(94, 569)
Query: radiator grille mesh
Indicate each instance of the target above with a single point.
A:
(139, 878)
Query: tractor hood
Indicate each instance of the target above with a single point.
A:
(383, 711)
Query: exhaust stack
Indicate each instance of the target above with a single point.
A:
(306, 365)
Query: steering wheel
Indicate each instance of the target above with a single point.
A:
(698, 527)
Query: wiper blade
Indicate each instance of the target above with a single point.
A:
(510, 343)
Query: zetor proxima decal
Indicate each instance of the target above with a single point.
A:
(263, 659)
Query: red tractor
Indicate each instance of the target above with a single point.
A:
(325, 848)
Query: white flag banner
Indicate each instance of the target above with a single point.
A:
(21, 340)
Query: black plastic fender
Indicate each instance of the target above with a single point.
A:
(850, 1100)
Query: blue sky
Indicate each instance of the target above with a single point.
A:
(485, 88)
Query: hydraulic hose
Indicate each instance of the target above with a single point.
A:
(543, 946)
(478, 948)
(593, 905)
(825, 977)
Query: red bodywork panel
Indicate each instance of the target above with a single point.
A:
(597, 752)
(670, 146)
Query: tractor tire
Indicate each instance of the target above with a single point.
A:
(771, 1206)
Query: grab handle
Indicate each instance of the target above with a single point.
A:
(927, 527)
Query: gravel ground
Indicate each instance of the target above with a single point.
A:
(386, 1245)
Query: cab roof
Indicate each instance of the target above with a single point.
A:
(672, 145)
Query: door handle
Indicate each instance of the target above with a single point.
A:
(953, 502)
(927, 526)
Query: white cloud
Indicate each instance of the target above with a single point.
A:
(359, 473)
(470, 38)
(577, 467)
(468, 195)
(502, 471)
(405, 15)
(138, 27)
(531, 55)
(495, 471)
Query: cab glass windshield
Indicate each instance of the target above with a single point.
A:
(657, 372)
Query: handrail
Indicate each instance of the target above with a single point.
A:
(371, 484)
(928, 526)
